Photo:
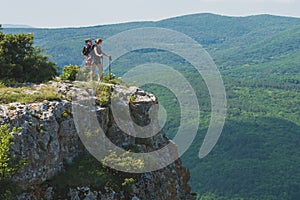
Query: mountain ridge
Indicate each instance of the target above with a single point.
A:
(16, 26)
(210, 30)
(153, 21)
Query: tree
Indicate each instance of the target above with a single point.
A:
(21, 62)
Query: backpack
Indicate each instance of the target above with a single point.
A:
(87, 49)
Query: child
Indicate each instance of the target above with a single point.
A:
(86, 51)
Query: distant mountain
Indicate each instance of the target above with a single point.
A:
(16, 26)
(240, 46)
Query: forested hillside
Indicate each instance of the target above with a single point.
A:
(237, 44)
(258, 154)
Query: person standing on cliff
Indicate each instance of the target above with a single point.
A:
(97, 55)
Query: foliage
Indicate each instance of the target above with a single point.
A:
(128, 181)
(69, 72)
(260, 137)
(103, 93)
(7, 189)
(5, 143)
(131, 98)
(258, 142)
(20, 61)
(127, 163)
(86, 170)
(124, 161)
(112, 79)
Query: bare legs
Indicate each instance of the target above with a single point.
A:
(93, 71)
(100, 71)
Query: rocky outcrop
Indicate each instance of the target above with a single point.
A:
(49, 139)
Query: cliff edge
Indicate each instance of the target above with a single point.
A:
(49, 144)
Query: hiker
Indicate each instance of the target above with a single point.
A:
(86, 51)
(97, 55)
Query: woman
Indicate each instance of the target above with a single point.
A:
(97, 55)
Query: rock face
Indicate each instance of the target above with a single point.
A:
(49, 139)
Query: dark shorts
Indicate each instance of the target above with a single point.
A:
(96, 61)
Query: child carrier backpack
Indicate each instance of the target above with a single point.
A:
(86, 49)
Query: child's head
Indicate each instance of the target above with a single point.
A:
(88, 41)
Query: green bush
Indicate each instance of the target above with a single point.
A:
(5, 143)
(6, 166)
(70, 72)
(20, 61)
(112, 79)
(122, 180)
(124, 161)
(87, 170)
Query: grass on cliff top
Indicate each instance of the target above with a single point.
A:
(39, 93)
(28, 94)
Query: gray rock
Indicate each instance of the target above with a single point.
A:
(49, 137)
(49, 193)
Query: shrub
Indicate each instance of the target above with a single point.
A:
(122, 181)
(87, 170)
(124, 161)
(112, 79)
(5, 143)
(70, 72)
(8, 190)
(20, 61)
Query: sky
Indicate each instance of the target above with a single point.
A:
(79, 13)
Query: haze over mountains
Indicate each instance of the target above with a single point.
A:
(16, 26)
